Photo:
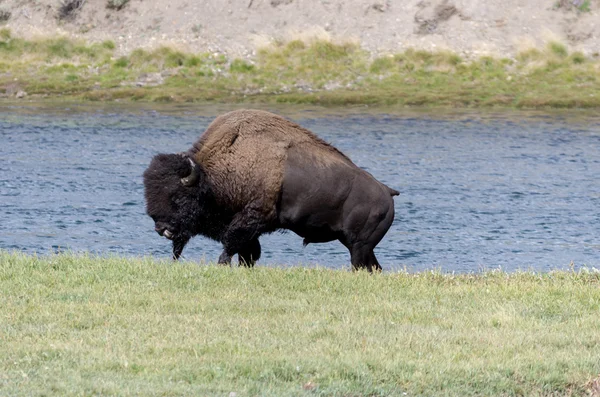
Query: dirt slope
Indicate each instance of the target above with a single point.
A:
(237, 27)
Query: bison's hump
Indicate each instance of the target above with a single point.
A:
(244, 153)
(262, 129)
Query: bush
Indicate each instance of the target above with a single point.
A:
(116, 4)
(580, 5)
(558, 49)
(122, 62)
(4, 34)
(67, 8)
(108, 44)
(578, 57)
(240, 66)
(4, 15)
(383, 64)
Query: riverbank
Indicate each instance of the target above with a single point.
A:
(316, 72)
(76, 324)
(238, 28)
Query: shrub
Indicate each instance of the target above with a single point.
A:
(558, 49)
(585, 6)
(193, 61)
(4, 34)
(122, 62)
(116, 4)
(4, 15)
(529, 55)
(67, 8)
(578, 57)
(383, 64)
(580, 5)
(108, 44)
(240, 66)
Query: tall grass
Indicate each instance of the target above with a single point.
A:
(85, 325)
(39, 52)
(317, 71)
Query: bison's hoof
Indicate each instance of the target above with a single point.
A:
(224, 259)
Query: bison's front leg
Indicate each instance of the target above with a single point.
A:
(241, 237)
(249, 254)
(178, 246)
(224, 258)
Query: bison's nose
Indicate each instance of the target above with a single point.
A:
(160, 230)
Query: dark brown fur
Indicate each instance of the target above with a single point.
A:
(253, 166)
(255, 144)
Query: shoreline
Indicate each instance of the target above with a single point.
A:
(297, 72)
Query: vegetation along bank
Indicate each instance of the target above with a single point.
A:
(298, 71)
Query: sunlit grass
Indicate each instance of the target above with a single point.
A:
(86, 325)
(312, 71)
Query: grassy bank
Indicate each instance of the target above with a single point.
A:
(316, 72)
(79, 325)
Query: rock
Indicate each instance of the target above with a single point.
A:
(276, 3)
(4, 15)
(381, 7)
(21, 94)
(429, 17)
(309, 386)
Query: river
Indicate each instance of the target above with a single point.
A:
(480, 190)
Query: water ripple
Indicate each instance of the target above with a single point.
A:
(503, 190)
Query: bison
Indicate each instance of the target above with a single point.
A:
(253, 172)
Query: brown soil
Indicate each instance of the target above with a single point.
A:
(237, 28)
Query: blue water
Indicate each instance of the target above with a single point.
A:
(510, 190)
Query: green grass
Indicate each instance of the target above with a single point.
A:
(84, 325)
(315, 72)
(581, 6)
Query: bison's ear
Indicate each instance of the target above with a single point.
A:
(193, 177)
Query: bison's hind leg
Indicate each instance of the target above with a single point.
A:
(360, 257)
(363, 257)
(363, 236)
(374, 262)
(250, 253)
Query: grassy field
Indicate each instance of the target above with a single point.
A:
(82, 325)
(314, 72)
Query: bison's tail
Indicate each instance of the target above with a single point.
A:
(393, 192)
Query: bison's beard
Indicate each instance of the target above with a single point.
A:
(179, 243)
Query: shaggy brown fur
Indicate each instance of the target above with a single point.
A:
(244, 153)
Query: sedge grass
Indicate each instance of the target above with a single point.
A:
(85, 325)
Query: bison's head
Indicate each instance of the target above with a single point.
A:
(175, 190)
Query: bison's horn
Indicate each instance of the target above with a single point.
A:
(193, 177)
